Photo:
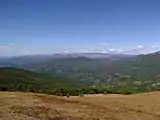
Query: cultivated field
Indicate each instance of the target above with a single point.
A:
(29, 106)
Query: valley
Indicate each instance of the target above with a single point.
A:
(79, 60)
(94, 69)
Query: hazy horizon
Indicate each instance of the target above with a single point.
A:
(31, 27)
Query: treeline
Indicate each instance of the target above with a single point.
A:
(89, 90)
(69, 91)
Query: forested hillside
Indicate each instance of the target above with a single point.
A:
(18, 79)
(139, 69)
(139, 72)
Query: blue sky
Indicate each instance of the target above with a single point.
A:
(56, 26)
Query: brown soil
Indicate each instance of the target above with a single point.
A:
(30, 106)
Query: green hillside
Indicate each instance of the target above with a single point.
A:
(139, 72)
(19, 79)
(142, 71)
(13, 79)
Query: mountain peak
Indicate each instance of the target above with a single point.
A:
(155, 53)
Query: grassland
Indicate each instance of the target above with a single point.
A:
(30, 106)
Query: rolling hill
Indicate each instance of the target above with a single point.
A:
(142, 71)
(23, 80)
(139, 70)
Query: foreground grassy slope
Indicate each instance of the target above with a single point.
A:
(29, 106)
(12, 78)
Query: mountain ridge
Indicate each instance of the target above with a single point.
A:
(143, 69)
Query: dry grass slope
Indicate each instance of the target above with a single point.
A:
(29, 106)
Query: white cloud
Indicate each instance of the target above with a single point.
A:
(153, 46)
(103, 43)
(140, 46)
(120, 50)
(140, 49)
(112, 50)
(6, 46)
(26, 52)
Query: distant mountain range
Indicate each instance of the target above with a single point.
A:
(31, 59)
(94, 68)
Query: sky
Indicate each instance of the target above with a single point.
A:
(70, 26)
